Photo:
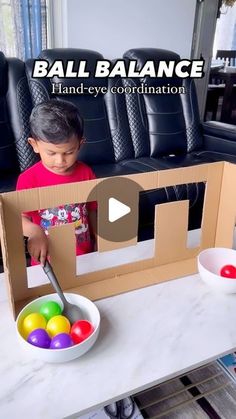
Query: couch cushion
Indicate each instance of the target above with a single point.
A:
(144, 164)
(115, 169)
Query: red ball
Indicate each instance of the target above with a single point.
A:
(81, 330)
(228, 271)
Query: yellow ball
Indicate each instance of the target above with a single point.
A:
(58, 324)
(31, 322)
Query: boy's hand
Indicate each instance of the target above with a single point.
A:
(38, 246)
(37, 240)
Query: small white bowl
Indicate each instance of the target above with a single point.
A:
(90, 312)
(210, 262)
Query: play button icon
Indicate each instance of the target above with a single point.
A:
(117, 210)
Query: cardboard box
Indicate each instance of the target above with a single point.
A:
(172, 258)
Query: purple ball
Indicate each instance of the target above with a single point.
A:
(61, 341)
(40, 338)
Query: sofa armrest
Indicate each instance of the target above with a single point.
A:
(220, 130)
(219, 137)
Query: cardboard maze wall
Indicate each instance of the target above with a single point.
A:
(171, 258)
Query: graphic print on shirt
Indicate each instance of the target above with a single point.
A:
(65, 214)
(80, 217)
(46, 219)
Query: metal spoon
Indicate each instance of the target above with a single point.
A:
(71, 311)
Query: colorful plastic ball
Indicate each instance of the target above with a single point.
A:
(228, 271)
(61, 341)
(58, 324)
(31, 322)
(81, 330)
(50, 309)
(40, 338)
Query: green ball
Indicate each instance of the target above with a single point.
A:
(50, 309)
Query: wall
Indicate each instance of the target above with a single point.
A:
(112, 27)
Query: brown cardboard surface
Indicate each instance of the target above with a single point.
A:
(227, 208)
(172, 258)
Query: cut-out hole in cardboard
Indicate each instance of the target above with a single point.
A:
(193, 192)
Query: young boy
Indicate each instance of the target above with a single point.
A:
(56, 135)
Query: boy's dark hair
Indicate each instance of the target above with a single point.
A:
(55, 121)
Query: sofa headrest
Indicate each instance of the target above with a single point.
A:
(77, 55)
(142, 55)
(3, 74)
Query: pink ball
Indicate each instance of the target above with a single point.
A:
(40, 338)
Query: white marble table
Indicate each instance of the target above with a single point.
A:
(147, 336)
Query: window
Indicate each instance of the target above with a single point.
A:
(225, 35)
(23, 28)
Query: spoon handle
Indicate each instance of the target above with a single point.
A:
(53, 279)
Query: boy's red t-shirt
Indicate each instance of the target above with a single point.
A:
(38, 176)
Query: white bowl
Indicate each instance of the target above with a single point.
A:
(210, 262)
(90, 312)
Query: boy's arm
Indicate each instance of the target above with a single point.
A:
(37, 240)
